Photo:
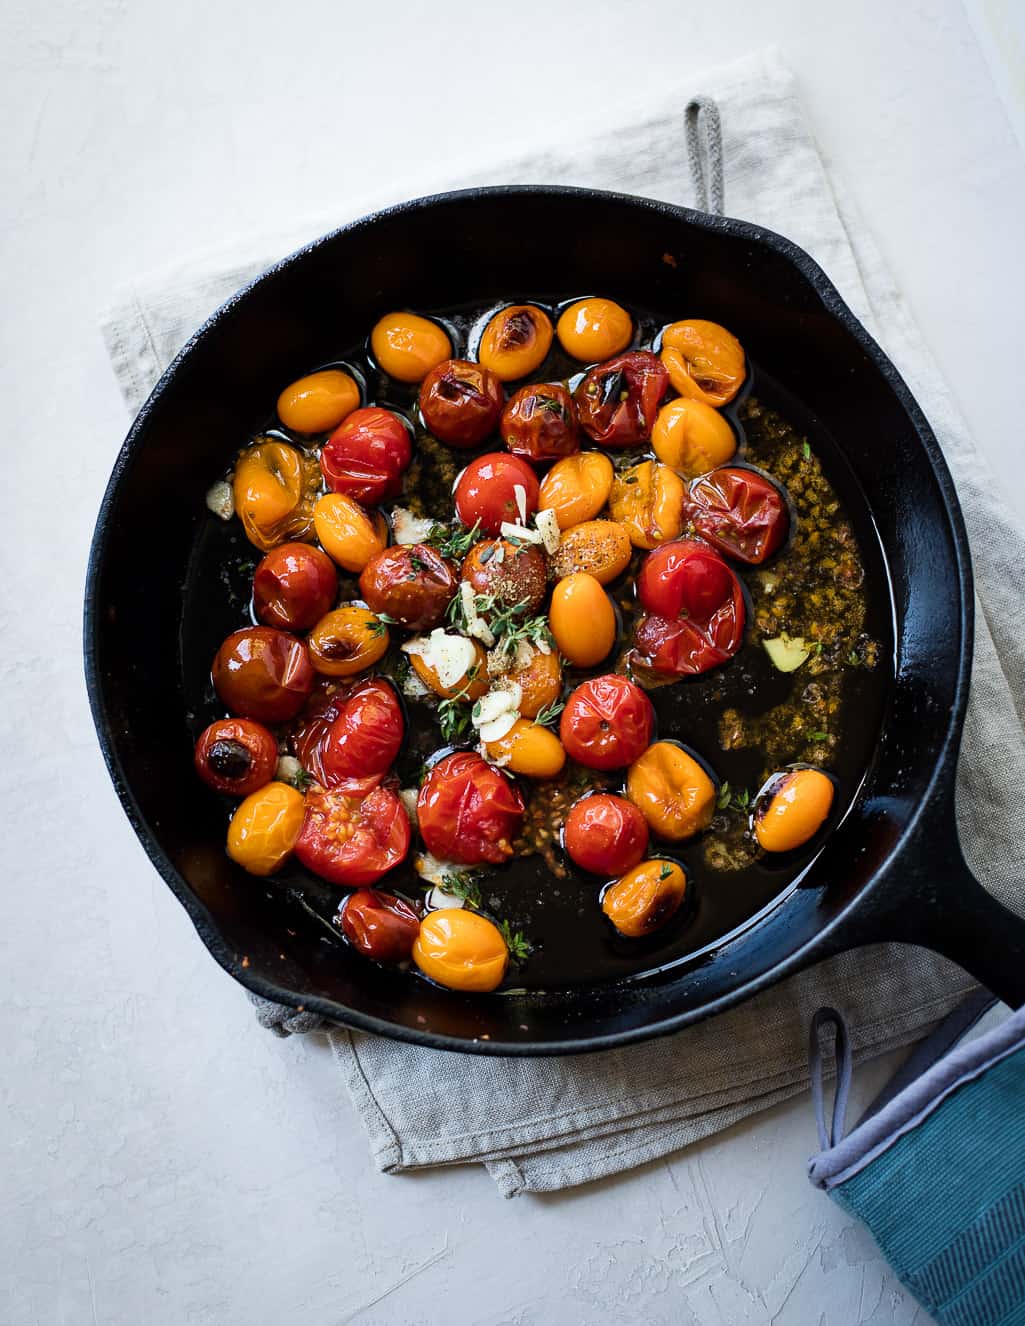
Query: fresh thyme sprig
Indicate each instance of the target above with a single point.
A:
(546, 717)
(453, 543)
(463, 884)
(519, 946)
(453, 712)
(729, 799)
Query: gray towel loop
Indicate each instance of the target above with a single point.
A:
(824, 1019)
(282, 1020)
(703, 126)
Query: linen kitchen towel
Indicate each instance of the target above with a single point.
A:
(544, 1124)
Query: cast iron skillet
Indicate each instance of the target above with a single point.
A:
(892, 870)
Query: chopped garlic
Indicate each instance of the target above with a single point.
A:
(220, 499)
(432, 870)
(409, 797)
(520, 493)
(520, 532)
(475, 623)
(787, 655)
(449, 656)
(525, 651)
(408, 528)
(548, 527)
(413, 688)
(438, 900)
(288, 769)
(495, 713)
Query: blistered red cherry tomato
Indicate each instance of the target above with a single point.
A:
(367, 455)
(607, 722)
(264, 674)
(468, 811)
(364, 739)
(617, 402)
(487, 491)
(461, 402)
(511, 574)
(236, 755)
(294, 586)
(539, 423)
(411, 583)
(353, 842)
(606, 834)
(739, 512)
(379, 925)
(695, 609)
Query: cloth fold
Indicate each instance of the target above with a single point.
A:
(546, 1124)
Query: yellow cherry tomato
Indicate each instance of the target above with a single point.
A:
(464, 688)
(346, 641)
(645, 898)
(692, 437)
(672, 791)
(318, 402)
(582, 620)
(407, 346)
(529, 749)
(648, 501)
(263, 830)
(347, 532)
(599, 547)
(461, 949)
(703, 360)
(794, 809)
(595, 328)
(577, 487)
(274, 488)
(540, 682)
(516, 341)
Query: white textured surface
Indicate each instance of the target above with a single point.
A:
(165, 1161)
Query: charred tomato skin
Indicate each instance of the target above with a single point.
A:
(461, 402)
(236, 756)
(617, 402)
(539, 423)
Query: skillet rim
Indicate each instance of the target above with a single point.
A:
(821, 944)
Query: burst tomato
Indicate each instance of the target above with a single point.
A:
(353, 842)
(739, 512)
(367, 455)
(607, 722)
(294, 586)
(606, 834)
(512, 574)
(264, 674)
(618, 401)
(487, 491)
(539, 423)
(350, 737)
(236, 755)
(410, 583)
(695, 609)
(461, 402)
(468, 811)
(379, 925)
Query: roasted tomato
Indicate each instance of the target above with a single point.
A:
(672, 791)
(364, 738)
(367, 455)
(529, 749)
(540, 682)
(645, 898)
(647, 500)
(791, 808)
(617, 402)
(461, 402)
(600, 548)
(318, 401)
(265, 827)
(407, 346)
(275, 487)
(496, 488)
(577, 488)
(236, 755)
(605, 834)
(379, 925)
(353, 842)
(582, 620)
(704, 361)
(469, 812)
(512, 574)
(607, 722)
(347, 641)
(350, 535)
(692, 437)
(594, 328)
(263, 674)
(294, 586)
(739, 512)
(539, 423)
(516, 341)
(411, 583)
(457, 670)
(695, 609)
(461, 950)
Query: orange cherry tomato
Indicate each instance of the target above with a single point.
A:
(577, 487)
(347, 641)
(601, 548)
(594, 328)
(350, 535)
(461, 949)
(645, 898)
(516, 341)
(704, 361)
(264, 829)
(319, 401)
(692, 437)
(469, 687)
(792, 808)
(582, 620)
(529, 749)
(648, 500)
(274, 489)
(672, 791)
(407, 346)
(540, 682)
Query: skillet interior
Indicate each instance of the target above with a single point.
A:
(475, 247)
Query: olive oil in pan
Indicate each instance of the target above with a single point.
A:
(743, 720)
